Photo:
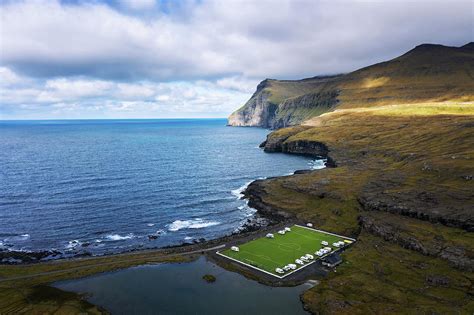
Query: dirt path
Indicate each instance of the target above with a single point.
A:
(105, 264)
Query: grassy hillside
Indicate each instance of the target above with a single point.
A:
(404, 187)
(427, 73)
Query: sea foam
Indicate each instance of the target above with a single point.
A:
(191, 224)
(118, 237)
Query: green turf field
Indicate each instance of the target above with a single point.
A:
(268, 254)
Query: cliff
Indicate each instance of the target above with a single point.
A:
(426, 73)
(403, 186)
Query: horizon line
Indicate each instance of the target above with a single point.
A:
(72, 119)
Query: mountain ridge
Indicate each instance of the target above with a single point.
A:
(428, 72)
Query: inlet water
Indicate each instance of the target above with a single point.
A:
(180, 289)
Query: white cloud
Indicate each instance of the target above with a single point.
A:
(81, 97)
(217, 38)
(201, 58)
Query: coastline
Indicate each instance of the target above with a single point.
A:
(31, 278)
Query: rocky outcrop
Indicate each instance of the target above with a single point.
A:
(255, 193)
(280, 103)
(259, 111)
(295, 110)
(400, 234)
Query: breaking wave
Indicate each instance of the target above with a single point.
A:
(191, 224)
(118, 237)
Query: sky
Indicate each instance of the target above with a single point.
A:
(79, 59)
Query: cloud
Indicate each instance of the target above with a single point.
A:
(209, 39)
(139, 54)
(89, 98)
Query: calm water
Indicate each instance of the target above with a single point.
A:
(179, 289)
(105, 186)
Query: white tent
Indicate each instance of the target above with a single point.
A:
(309, 224)
(282, 232)
(270, 235)
(287, 229)
(279, 270)
(324, 243)
(234, 248)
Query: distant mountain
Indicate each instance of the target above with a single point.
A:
(426, 73)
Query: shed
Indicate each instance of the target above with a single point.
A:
(332, 260)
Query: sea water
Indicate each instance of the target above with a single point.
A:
(108, 186)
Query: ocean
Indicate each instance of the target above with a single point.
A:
(93, 187)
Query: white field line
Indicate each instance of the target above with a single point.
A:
(248, 265)
(280, 277)
(308, 228)
(300, 268)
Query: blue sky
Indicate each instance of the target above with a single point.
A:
(162, 59)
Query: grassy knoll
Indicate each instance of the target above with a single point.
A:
(33, 295)
(404, 187)
(271, 253)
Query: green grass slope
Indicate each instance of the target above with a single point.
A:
(427, 73)
(404, 187)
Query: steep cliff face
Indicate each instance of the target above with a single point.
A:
(425, 73)
(259, 111)
(281, 103)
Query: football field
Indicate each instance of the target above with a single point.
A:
(268, 254)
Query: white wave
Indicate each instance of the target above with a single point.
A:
(21, 237)
(318, 164)
(247, 211)
(160, 232)
(150, 224)
(239, 191)
(190, 224)
(118, 237)
(188, 238)
(73, 244)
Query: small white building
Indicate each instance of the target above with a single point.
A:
(324, 243)
(319, 253)
(281, 232)
(234, 248)
(309, 224)
(292, 266)
(336, 244)
(287, 229)
(309, 256)
(299, 262)
(279, 270)
(287, 268)
(270, 235)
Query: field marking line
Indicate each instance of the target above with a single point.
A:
(264, 271)
(308, 228)
(301, 267)
(245, 264)
(263, 257)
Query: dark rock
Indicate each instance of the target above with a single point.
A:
(437, 280)
(298, 172)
